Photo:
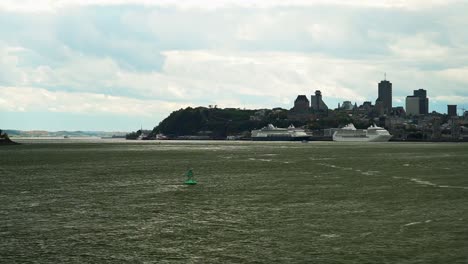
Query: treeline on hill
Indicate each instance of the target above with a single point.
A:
(219, 123)
(337, 119)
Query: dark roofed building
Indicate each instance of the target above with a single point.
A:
(452, 110)
(301, 104)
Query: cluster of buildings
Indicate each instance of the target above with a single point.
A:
(416, 104)
(305, 110)
(415, 116)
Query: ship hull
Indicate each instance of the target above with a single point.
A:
(280, 138)
(272, 133)
(379, 138)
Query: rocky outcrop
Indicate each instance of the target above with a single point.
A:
(5, 139)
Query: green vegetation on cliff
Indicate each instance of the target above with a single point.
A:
(218, 122)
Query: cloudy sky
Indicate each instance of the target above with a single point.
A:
(115, 65)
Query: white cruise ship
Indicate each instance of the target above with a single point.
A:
(272, 133)
(371, 134)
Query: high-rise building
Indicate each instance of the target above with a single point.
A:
(423, 101)
(417, 104)
(452, 110)
(412, 105)
(385, 96)
(316, 102)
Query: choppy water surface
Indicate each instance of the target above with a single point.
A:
(118, 201)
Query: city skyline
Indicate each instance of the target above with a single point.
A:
(116, 65)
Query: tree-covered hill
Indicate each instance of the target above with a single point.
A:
(219, 123)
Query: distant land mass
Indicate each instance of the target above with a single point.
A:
(43, 133)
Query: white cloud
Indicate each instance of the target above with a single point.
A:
(458, 74)
(9, 60)
(31, 99)
(453, 99)
(419, 47)
(269, 74)
(324, 33)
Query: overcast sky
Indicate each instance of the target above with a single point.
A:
(115, 65)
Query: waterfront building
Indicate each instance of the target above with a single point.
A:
(452, 110)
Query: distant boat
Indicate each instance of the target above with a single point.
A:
(272, 133)
(161, 137)
(371, 134)
(66, 137)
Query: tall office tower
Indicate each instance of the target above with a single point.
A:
(452, 110)
(423, 101)
(385, 96)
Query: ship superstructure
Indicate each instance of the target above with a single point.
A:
(272, 133)
(371, 134)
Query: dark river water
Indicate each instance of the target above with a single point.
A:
(115, 201)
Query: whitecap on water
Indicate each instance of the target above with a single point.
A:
(412, 223)
(417, 223)
(428, 183)
(369, 173)
(423, 182)
(329, 235)
(267, 160)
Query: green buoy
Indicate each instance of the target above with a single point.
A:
(190, 180)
